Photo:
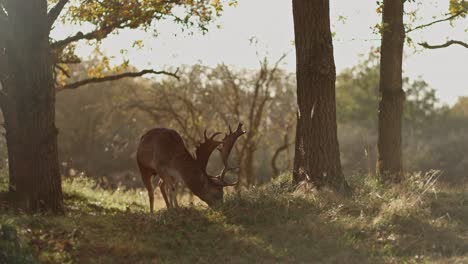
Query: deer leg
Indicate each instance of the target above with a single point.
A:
(147, 175)
(162, 187)
(174, 193)
(171, 191)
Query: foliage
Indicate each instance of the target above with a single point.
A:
(11, 248)
(99, 19)
(433, 134)
(461, 107)
(268, 224)
(358, 96)
(458, 6)
(102, 140)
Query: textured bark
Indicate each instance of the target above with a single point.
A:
(30, 108)
(317, 151)
(389, 160)
(10, 119)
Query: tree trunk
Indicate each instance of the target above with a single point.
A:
(10, 118)
(30, 108)
(317, 150)
(276, 154)
(389, 160)
(246, 173)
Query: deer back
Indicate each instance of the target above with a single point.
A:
(163, 150)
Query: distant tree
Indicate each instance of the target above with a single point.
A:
(461, 107)
(33, 66)
(213, 98)
(317, 154)
(357, 92)
(389, 160)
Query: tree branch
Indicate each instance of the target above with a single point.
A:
(114, 78)
(55, 12)
(278, 151)
(96, 34)
(459, 13)
(62, 70)
(78, 36)
(446, 44)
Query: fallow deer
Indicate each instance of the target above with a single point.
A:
(162, 152)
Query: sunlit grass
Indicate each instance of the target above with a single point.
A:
(413, 222)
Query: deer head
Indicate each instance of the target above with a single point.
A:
(215, 184)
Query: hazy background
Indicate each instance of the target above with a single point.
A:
(101, 142)
(271, 23)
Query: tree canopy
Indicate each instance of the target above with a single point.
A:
(100, 19)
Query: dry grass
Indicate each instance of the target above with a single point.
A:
(415, 222)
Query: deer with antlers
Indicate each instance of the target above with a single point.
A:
(162, 152)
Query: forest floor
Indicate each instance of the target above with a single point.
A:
(415, 222)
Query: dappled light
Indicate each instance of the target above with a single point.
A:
(233, 131)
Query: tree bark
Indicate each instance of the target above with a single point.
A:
(29, 109)
(389, 160)
(317, 150)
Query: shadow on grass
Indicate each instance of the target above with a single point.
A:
(242, 231)
(262, 227)
(296, 230)
(421, 237)
(183, 235)
(300, 232)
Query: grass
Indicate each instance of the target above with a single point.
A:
(415, 222)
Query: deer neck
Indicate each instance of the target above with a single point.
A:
(192, 175)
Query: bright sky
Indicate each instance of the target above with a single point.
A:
(271, 22)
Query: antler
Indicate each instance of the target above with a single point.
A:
(227, 145)
(205, 149)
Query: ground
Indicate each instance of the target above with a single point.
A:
(416, 222)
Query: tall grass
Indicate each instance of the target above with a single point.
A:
(415, 221)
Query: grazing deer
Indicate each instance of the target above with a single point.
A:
(162, 152)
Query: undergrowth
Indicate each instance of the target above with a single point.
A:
(413, 222)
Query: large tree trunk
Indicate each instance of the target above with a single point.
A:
(389, 160)
(29, 108)
(317, 151)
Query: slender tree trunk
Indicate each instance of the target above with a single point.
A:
(246, 173)
(317, 150)
(30, 108)
(249, 167)
(389, 160)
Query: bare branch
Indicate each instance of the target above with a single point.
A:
(62, 70)
(114, 78)
(96, 34)
(55, 12)
(446, 44)
(283, 147)
(68, 60)
(78, 36)
(459, 13)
